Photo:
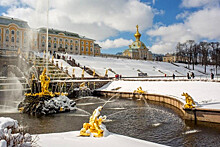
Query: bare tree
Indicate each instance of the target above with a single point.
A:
(204, 47)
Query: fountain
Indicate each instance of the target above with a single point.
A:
(45, 102)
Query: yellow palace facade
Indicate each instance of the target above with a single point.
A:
(15, 33)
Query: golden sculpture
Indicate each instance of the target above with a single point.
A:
(139, 91)
(93, 73)
(189, 101)
(83, 73)
(45, 81)
(93, 127)
(106, 73)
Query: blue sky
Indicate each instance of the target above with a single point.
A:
(163, 23)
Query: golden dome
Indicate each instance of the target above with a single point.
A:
(137, 35)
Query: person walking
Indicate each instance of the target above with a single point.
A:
(212, 76)
(174, 76)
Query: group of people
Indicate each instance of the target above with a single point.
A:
(190, 75)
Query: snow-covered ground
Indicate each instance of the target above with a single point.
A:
(130, 68)
(206, 94)
(69, 139)
(78, 71)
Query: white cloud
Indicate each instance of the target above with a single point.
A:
(203, 24)
(120, 42)
(199, 3)
(7, 3)
(183, 15)
(96, 19)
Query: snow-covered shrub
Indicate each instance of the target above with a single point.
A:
(12, 135)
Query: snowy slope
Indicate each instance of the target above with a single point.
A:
(128, 67)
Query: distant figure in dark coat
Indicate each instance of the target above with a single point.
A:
(212, 76)
(188, 76)
(174, 76)
(193, 75)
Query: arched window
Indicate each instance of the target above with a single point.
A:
(82, 42)
(87, 49)
(76, 47)
(43, 37)
(12, 39)
(12, 32)
(76, 41)
(43, 44)
(61, 46)
(49, 38)
(7, 39)
(55, 38)
(71, 41)
(55, 45)
(82, 48)
(66, 40)
(71, 47)
(49, 45)
(7, 31)
(86, 43)
(66, 46)
(90, 49)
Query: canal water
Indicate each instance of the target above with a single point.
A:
(135, 118)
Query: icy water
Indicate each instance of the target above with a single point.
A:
(136, 118)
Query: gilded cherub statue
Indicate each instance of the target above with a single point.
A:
(189, 101)
(94, 127)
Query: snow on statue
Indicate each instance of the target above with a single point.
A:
(95, 127)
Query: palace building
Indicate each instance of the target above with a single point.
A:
(15, 33)
(138, 50)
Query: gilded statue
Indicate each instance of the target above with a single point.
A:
(94, 125)
(189, 101)
(139, 90)
(45, 81)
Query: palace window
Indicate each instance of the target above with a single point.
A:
(66, 46)
(17, 40)
(49, 38)
(66, 40)
(61, 39)
(71, 41)
(12, 32)
(55, 45)
(82, 42)
(76, 41)
(43, 44)
(82, 48)
(43, 37)
(76, 47)
(12, 39)
(90, 49)
(7, 39)
(55, 38)
(49, 45)
(87, 49)
(87, 43)
(71, 47)
(7, 31)
(61, 46)
(91, 44)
